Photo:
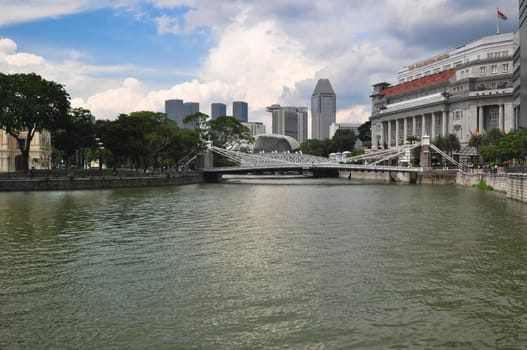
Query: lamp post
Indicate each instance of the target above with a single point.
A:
(100, 145)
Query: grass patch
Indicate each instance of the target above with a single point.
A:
(483, 186)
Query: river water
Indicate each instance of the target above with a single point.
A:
(264, 264)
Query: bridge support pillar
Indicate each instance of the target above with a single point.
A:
(426, 159)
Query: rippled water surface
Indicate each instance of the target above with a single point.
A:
(301, 264)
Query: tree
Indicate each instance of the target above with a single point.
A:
(225, 131)
(448, 144)
(77, 132)
(29, 104)
(365, 132)
(316, 147)
(200, 121)
(343, 140)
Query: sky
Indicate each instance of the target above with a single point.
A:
(123, 56)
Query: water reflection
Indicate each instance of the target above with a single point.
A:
(299, 265)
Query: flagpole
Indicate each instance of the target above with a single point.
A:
(497, 21)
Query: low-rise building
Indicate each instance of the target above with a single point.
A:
(39, 152)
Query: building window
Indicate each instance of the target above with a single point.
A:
(494, 68)
(505, 67)
(482, 70)
(490, 55)
(458, 63)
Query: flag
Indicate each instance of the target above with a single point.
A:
(501, 15)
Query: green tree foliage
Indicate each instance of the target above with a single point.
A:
(226, 130)
(365, 132)
(316, 147)
(75, 134)
(343, 140)
(29, 104)
(499, 147)
(448, 144)
(145, 139)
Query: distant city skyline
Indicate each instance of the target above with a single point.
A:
(134, 55)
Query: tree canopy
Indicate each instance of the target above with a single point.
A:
(29, 103)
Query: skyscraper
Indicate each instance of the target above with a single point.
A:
(323, 109)
(217, 110)
(290, 121)
(240, 111)
(190, 108)
(175, 111)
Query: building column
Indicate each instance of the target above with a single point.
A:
(500, 117)
(444, 129)
(381, 140)
(480, 118)
(405, 130)
(414, 126)
(423, 125)
(389, 142)
(396, 132)
(433, 128)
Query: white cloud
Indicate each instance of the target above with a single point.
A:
(14, 11)
(7, 46)
(24, 59)
(355, 114)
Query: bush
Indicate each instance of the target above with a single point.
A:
(483, 186)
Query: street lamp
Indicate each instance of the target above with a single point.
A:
(100, 145)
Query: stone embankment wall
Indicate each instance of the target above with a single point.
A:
(499, 181)
(513, 185)
(95, 182)
(517, 189)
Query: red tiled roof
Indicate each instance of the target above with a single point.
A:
(419, 83)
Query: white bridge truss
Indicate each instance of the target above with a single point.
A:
(285, 160)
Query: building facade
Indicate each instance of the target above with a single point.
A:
(217, 110)
(520, 67)
(465, 91)
(289, 121)
(257, 128)
(177, 110)
(240, 111)
(323, 109)
(39, 152)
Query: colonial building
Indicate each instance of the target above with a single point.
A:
(39, 154)
(465, 91)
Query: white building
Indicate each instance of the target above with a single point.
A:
(39, 152)
(256, 128)
(466, 90)
(289, 121)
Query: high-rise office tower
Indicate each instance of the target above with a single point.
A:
(290, 121)
(217, 110)
(240, 111)
(175, 111)
(323, 109)
(191, 108)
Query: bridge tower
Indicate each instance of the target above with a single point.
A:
(426, 158)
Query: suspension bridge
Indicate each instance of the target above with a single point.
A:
(388, 164)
